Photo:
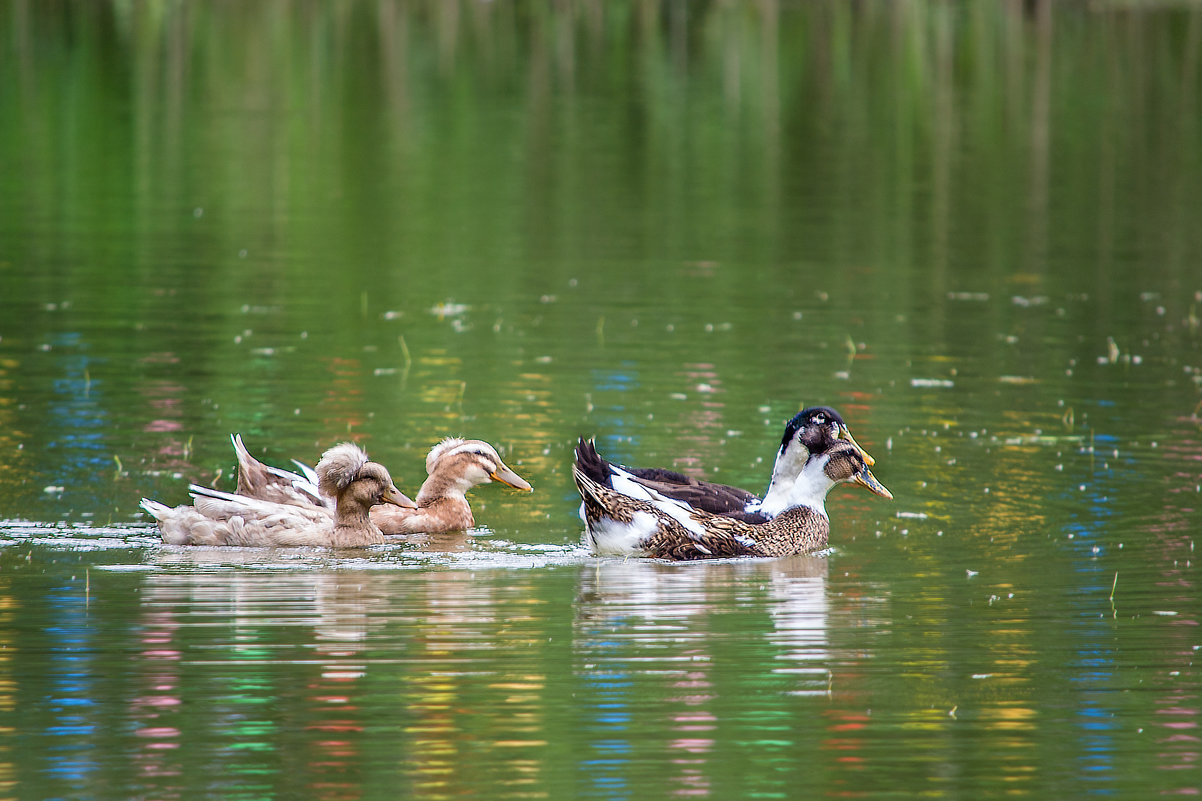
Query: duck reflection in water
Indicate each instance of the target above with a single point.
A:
(250, 627)
(649, 629)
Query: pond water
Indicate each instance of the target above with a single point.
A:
(973, 229)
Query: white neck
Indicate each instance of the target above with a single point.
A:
(808, 487)
(787, 467)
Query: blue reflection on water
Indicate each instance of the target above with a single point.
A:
(72, 693)
(609, 757)
(1095, 662)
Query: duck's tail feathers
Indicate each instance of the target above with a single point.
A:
(590, 490)
(240, 449)
(591, 464)
(154, 508)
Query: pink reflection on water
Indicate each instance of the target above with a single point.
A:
(165, 412)
(1174, 528)
(692, 777)
(1178, 747)
(156, 707)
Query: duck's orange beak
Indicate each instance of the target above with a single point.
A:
(397, 498)
(507, 476)
(868, 481)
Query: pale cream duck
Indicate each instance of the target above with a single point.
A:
(454, 466)
(344, 474)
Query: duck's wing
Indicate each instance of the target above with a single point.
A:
(183, 525)
(259, 480)
(237, 520)
(717, 499)
(649, 524)
(723, 537)
(218, 505)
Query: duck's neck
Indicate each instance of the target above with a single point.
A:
(797, 480)
(451, 513)
(353, 526)
(439, 486)
(446, 497)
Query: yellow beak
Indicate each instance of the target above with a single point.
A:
(845, 433)
(868, 481)
(507, 476)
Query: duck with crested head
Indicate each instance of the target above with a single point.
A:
(454, 466)
(636, 520)
(810, 431)
(344, 474)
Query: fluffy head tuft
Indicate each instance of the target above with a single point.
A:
(439, 450)
(339, 466)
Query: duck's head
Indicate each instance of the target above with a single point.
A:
(469, 462)
(845, 463)
(838, 463)
(344, 472)
(817, 429)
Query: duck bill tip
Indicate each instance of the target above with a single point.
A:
(868, 481)
(506, 476)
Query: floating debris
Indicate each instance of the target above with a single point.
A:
(931, 382)
(448, 309)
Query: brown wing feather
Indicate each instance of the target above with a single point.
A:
(717, 499)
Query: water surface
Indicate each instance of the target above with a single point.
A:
(971, 229)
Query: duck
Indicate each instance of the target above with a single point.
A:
(267, 483)
(344, 474)
(640, 521)
(810, 431)
(454, 466)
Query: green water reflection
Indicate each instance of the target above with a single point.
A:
(972, 228)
